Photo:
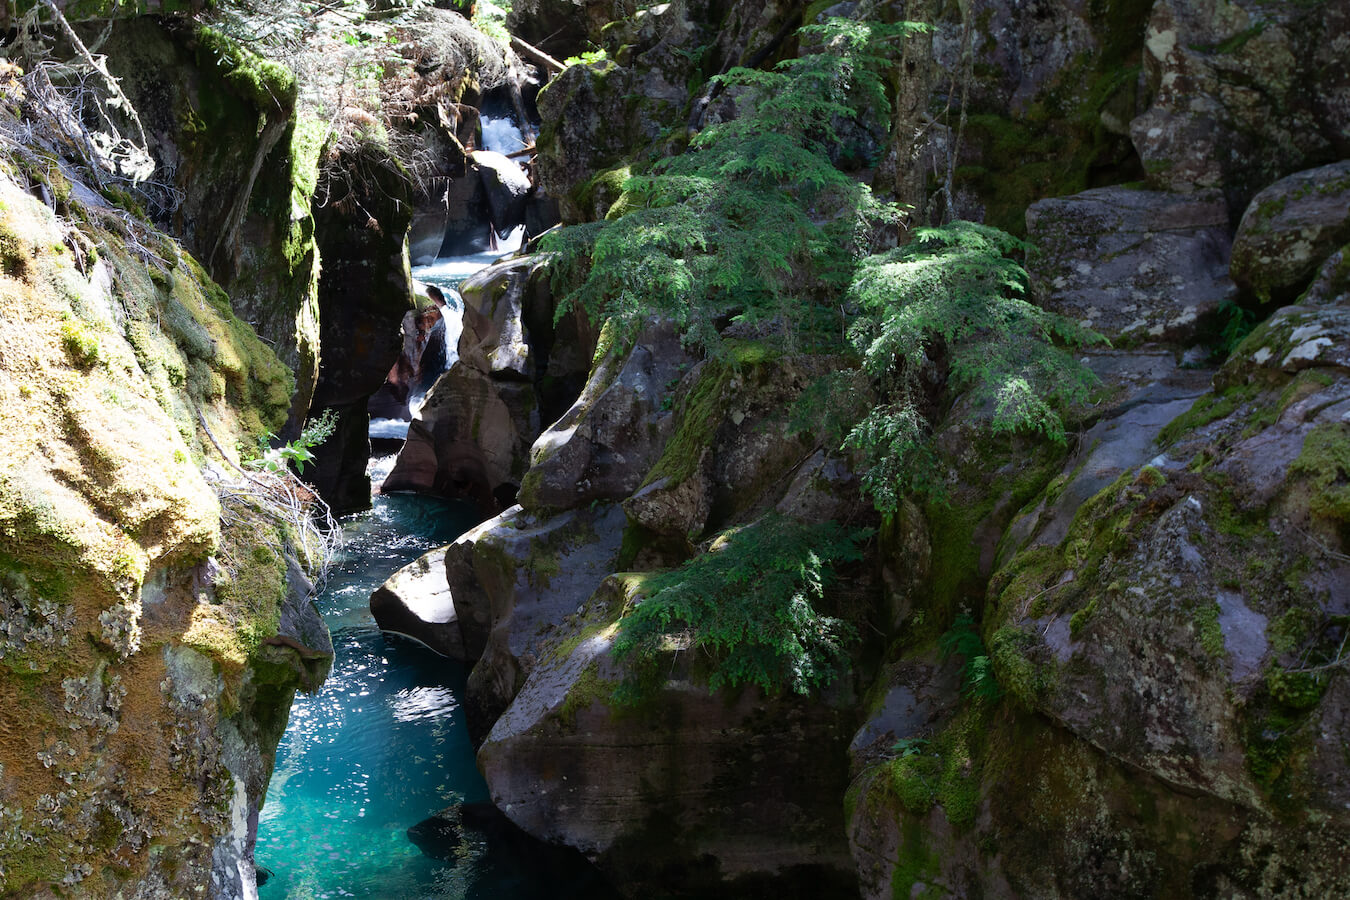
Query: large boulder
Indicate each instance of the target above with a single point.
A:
(505, 187)
(689, 793)
(1186, 620)
(514, 580)
(1289, 230)
(415, 602)
(1217, 69)
(604, 445)
(1136, 266)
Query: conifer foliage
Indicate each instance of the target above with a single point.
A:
(754, 222)
(754, 225)
(958, 289)
(750, 604)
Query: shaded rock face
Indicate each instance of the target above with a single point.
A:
(1217, 69)
(242, 203)
(598, 117)
(1055, 86)
(364, 292)
(421, 362)
(1135, 266)
(603, 446)
(156, 627)
(507, 859)
(1289, 229)
(689, 793)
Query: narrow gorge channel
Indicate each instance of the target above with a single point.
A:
(376, 792)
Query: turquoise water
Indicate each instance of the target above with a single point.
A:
(382, 745)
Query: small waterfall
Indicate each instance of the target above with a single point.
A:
(502, 135)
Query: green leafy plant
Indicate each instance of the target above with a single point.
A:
(275, 460)
(587, 57)
(977, 671)
(953, 300)
(750, 604)
(753, 224)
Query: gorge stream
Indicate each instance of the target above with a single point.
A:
(383, 746)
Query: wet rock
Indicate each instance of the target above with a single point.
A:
(1136, 266)
(505, 187)
(464, 213)
(506, 860)
(1289, 230)
(471, 437)
(415, 602)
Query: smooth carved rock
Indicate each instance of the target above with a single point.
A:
(1289, 230)
(603, 447)
(505, 186)
(461, 444)
(415, 602)
(514, 579)
(471, 437)
(714, 786)
(1133, 265)
(511, 298)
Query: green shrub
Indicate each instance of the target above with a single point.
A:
(750, 604)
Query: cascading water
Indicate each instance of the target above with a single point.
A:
(383, 746)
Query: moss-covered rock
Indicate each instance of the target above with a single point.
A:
(1289, 230)
(139, 695)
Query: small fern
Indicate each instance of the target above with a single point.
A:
(750, 604)
(977, 671)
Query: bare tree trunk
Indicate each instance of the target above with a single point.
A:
(901, 174)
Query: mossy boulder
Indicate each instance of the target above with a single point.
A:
(1216, 70)
(1289, 230)
(1184, 619)
(140, 698)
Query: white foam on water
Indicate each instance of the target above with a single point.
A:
(501, 135)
